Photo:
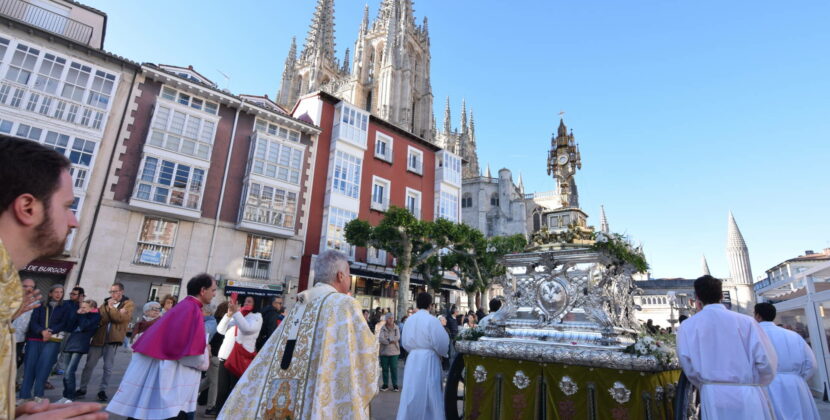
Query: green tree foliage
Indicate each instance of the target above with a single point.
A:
(416, 245)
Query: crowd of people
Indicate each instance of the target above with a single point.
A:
(323, 359)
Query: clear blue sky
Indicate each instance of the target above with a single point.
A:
(683, 110)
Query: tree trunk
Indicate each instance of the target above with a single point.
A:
(405, 269)
(471, 301)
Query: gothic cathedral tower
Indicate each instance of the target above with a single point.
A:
(391, 68)
(316, 65)
(390, 74)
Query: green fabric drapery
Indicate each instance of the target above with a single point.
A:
(495, 389)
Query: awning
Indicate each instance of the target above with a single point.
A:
(252, 289)
(53, 267)
(415, 279)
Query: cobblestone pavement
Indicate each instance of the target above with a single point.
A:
(384, 406)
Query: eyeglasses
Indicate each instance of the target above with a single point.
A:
(73, 294)
(115, 291)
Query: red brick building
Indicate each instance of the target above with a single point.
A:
(363, 165)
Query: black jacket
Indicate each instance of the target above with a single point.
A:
(78, 341)
(452, 326)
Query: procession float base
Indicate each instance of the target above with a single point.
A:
(499, 388)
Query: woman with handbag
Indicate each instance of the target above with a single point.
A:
(240, 326)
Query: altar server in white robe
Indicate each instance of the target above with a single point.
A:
(727, 356)
(426, 341)
(789, 392)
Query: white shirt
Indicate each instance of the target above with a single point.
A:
(789, 392)
(719, 349)
(248, 331)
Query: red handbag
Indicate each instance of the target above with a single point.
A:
(239, 358)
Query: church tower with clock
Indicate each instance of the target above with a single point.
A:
(556, 212)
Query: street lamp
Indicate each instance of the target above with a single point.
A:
(672, 297)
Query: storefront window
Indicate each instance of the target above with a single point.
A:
(794, 320)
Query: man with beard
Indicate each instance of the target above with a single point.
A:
(35, 219)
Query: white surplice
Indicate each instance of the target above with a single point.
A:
(789, 392)
(730, 359)
(426, 341)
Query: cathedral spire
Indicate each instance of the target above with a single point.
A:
(563, 130)
(447, 119)
(345, 68)
(738, 254)
(472, 127)
(319, 42)
(487, 174)
(284, 95)
(389, 53)
(521, 184)
(463, 116)
(603, 221)
(364, 25)
(705, 267)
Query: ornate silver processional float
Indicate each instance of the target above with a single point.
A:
(565, 343)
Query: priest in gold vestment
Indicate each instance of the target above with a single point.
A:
(320, 363)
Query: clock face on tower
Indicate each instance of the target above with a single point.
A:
(563, 159)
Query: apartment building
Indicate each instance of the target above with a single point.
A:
(59, 87)
(363, 166)
(203, 181)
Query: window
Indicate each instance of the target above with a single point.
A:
(6, 126)
(494, 199)
(17, 98)
(22, 64)
(376, 256)
(170, 183)
(275, 130)
(347, 174)
(49, 74)
(380, 193)
(76, 81)
(4, 46)
(415, 160)
(183, 133)
(277, 160)
(467, 200)
(258, 252)
(101, 89)
(187, 100)
(270, 206)
(57, 141)
(155, 242)
(335, 234)
(451, 167)
(448, 206)
(33, 133)
(413, 202)
(383, 146)
(352, 125)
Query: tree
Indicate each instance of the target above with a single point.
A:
(417, 245)
(411, 241)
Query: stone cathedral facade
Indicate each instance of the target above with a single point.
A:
(389, 74)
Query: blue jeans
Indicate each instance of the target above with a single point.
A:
(71, 361)
(40, 357)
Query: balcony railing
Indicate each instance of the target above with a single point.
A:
(255, 269)
(46, 19)
(152, 254)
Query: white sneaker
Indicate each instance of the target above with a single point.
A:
(63, 401)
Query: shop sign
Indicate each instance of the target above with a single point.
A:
(149, 256)
(53, 267)
(254, 289)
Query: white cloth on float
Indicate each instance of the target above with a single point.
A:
(426, 341)
(730, 359)
(157, 389)
(789, 392)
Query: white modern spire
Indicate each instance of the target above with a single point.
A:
(706, 267)
(737, 254)
(603, 221)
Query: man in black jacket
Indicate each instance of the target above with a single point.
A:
(272, 316)
(452, 323)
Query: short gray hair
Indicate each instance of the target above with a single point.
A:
(209, 308)
(326, 266)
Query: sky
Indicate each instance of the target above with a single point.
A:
(683, 110)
